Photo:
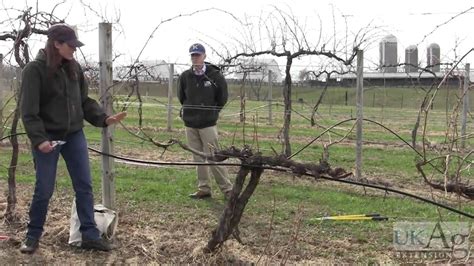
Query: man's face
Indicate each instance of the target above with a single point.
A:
(198, 59)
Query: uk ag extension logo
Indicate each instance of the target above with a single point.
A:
(431, 240)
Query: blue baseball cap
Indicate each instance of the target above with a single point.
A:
(197, 48)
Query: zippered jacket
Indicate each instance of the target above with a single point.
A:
(202, 96)
(52, 108)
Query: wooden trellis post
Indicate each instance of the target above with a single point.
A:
(360, 107)
(270, 97)
(105, 83)
(170, 97)
(465, 106)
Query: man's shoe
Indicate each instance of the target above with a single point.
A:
(96, 244)
(200, 195)
(29, 246)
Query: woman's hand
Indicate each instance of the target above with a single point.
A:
(45, 147)
(113, 119)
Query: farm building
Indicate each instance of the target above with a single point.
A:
(257, 70)
(147, 70)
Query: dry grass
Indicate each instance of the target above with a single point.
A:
(143, 236)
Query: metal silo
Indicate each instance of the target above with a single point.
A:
(411, 59)
(388, 54)
(433, 57)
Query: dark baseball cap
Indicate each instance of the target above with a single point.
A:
(197, 48)
(64, 33)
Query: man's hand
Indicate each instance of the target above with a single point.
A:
(115, 118)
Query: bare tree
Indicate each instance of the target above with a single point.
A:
(31, 22)
(282, 34)
(1, 96)
(315, 75)
(454, 164)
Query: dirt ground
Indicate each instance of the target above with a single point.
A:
(142, 237)
(165, 236)
(147, 236)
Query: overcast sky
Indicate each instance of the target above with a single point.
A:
(409, 21)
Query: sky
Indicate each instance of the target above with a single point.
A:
(412, 22)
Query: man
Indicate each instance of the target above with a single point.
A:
(202, 92)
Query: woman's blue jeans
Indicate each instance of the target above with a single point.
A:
(75, 154)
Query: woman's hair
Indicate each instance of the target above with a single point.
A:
(54, 61)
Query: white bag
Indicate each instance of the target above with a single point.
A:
(105, 219)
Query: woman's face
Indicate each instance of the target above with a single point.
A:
(66, 51)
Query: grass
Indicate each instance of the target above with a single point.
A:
(171, 185)
(374, 96)
(165, 189)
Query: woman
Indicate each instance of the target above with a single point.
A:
(54, 104)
